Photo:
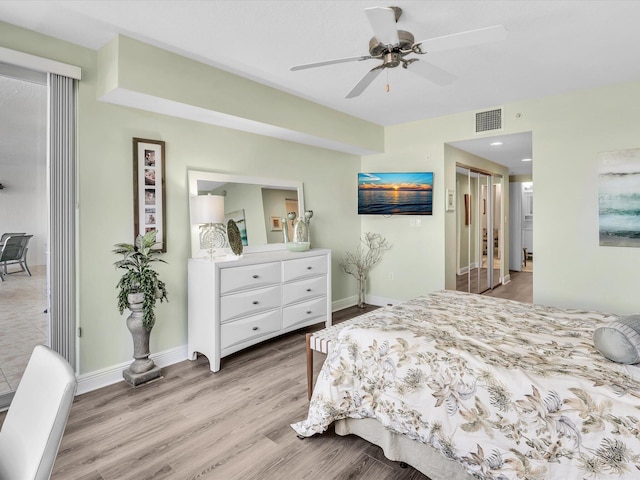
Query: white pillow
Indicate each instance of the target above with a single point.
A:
(620, 340)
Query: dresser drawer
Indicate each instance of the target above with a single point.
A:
(246, 303)
(304, 289)
(250, 276)
(304, 267)
(249, 328)
(303, 312)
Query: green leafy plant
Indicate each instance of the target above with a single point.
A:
(140, 277)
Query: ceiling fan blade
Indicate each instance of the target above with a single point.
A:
(365, 81)
(464, 39)
(330, 62)
(383, 22)
(432, 73)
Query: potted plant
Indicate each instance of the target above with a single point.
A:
(140, 289)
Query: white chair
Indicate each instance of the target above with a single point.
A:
(33, 428)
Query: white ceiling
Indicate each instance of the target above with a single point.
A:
(509, 150)
(23, 123)
(552, 47)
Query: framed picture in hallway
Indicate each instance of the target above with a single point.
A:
(149, 199)
(467, 209)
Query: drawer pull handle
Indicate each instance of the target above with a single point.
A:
(309, 312)
(256, 276)
(308, 289)
(309, 268)
(254, 328)
(255, 302)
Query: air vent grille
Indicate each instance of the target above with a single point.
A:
(489, 120)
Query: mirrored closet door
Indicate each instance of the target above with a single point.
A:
(478, 230)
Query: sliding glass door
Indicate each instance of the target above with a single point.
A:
(37, 114)
(24, 204)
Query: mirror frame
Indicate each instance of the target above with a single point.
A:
(195, 175)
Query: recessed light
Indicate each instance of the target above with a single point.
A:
(526, 159)
(495, 144)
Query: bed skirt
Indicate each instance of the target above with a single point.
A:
(398, 448)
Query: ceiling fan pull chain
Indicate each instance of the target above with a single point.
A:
(387, 81)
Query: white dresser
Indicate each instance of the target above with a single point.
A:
(237, 303)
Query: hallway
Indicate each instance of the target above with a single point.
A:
(519, 288)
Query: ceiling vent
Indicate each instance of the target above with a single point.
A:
(489, 120)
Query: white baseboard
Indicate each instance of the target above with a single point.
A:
(344, 303)
(382, 301)
(371, 300)
(88, 382)
(468, 268)
(506, 279)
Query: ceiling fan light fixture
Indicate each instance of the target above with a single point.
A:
(391, 59)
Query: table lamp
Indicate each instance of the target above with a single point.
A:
(208, 210)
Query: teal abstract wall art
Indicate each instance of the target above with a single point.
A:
(619, 198)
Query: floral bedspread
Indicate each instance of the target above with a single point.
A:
(508, 390)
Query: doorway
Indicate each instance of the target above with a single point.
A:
(24, 207)
(478, 230)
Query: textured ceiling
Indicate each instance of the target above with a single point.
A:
(23, 121)
(552, 47)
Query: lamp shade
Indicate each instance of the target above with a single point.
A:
(207, 209)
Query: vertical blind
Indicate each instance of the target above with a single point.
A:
(62, 215)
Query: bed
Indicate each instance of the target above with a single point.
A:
(464, 386)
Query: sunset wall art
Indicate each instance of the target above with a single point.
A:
(397, 193)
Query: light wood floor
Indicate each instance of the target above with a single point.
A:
(231, 425)
(520, 288)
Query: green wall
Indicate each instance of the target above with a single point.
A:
(568, 132)
(105, 199)
(571, 269)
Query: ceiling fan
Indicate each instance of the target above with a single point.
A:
(392, 46)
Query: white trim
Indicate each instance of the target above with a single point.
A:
(370, 300)
(382, 301)
(88, 382)
(39, 64)
(151, 103)
(344, 303)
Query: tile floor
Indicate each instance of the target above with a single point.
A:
(23, 323)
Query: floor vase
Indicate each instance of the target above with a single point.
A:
(143, 369)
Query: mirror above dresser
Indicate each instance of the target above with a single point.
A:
(256, 204)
